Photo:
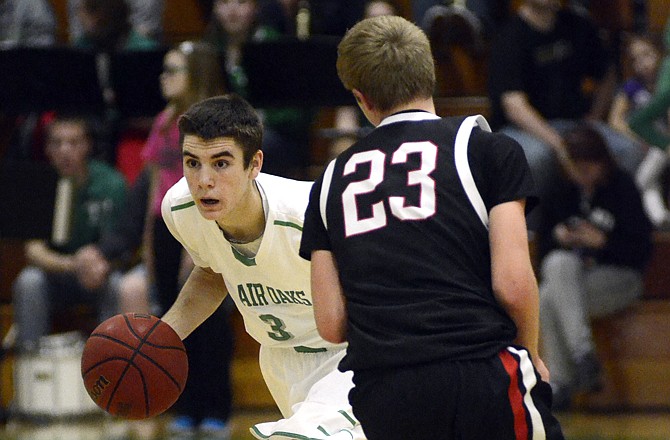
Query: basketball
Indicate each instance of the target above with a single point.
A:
(134, 366)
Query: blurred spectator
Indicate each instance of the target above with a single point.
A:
(539, 65)
(27, 23)
(650, 122)
(325, 17)
(643, 57)
(467, 21)
(146, 18)
(286, 137)
(350, 119)
(117, 253)
(53, 279)
(595, 242)
(106, 27)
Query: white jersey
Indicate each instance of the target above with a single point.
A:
(271, 290)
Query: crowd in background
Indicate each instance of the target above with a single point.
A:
(554, 84)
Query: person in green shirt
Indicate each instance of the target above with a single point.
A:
(106, 27)
(55, 277)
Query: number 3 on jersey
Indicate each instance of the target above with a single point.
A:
(277, 326)
(353, 223)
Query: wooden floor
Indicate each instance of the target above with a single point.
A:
(576, 426)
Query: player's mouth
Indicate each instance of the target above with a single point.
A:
(208, 202)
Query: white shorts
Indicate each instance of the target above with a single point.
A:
(311, 393)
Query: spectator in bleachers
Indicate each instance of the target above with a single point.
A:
(146, 18)
(595, 241)
(27, 23)
(651, 122)
(643, 57)
(350, 119)
(106, 27)
(286, 138)
(53, 281)
(472, 22)
(539, 65)
(106, 30)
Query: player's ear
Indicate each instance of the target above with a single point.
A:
(362, 101)
(256, 163)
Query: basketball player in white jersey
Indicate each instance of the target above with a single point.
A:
(243, 229)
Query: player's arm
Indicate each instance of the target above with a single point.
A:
(514, 282)
(330, 310)
(201, 295)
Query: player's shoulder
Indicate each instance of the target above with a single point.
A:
(285, 196)
(178, 193)
(283, 190)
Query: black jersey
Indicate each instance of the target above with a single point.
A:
(412, 252)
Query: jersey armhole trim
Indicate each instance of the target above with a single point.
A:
(325, 189)
(463, 166)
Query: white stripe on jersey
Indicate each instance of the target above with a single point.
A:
(463, 166)
(325, 189)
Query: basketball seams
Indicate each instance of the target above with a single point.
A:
(125, 344)
(143, 355)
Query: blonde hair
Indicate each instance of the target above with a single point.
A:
(388, 59)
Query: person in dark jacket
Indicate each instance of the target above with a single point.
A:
(595, 242)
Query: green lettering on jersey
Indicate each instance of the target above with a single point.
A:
(282, 296)
(301, 298)
(258, 292)
(273, 295)
(243, 295)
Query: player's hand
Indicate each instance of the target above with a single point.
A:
(542, 369)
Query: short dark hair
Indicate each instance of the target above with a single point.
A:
(224, 116)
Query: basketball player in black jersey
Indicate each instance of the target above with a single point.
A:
(420, 258)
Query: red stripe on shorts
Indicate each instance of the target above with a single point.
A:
(511, 365)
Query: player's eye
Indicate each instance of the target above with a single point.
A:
(220, 164)
(190, 163)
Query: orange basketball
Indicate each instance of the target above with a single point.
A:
(134, 366)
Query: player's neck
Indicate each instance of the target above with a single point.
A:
(421, 104)
(248, 222)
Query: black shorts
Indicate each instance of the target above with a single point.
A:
(498, 398)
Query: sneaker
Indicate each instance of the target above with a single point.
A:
(181, 426)
(212, 428)
(589, 373)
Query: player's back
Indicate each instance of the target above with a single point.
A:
(412, 252)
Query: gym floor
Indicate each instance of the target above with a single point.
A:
(576, 426)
